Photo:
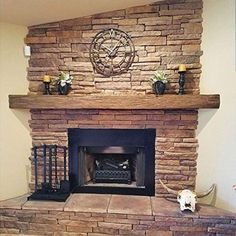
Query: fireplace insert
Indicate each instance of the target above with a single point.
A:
(118, 161)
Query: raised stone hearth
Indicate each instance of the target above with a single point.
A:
(98, 215)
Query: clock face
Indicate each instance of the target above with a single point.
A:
(111, 52)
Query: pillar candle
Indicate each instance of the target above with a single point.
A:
(46, 78)
(182, 68)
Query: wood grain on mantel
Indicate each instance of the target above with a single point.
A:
(114, 102)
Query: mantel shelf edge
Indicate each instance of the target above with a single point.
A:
(114, 102)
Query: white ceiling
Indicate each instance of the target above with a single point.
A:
(34, 12)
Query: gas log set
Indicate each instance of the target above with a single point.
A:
(112, 170)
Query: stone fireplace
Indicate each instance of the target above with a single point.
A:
(165, 34)
(117, 161)
(121, 137)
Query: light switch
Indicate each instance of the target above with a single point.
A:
(27, 51)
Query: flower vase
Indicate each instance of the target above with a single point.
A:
(159, 87)
(63, 90)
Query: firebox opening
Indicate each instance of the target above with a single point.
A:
(112, 161)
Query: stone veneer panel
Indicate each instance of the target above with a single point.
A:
(165, 34)
(175, 141)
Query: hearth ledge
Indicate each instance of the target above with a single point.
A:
(88, 214)
(116, 204)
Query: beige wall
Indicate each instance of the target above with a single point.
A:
(15, 139)
(217, 129)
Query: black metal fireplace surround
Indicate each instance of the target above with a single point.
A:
(112, 161)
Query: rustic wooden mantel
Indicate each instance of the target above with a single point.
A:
(114, 102)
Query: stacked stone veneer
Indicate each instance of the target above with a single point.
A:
(175, 142)
(59, 223)
(165, 34)
(165, 219)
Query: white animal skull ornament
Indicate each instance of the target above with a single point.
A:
(187, 198)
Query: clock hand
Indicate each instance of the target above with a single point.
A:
(114, 49)
(105, 47)
(117, 45)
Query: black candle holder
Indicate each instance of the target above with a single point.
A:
(181, 82)
(47, 88)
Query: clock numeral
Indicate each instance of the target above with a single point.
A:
(112, 33)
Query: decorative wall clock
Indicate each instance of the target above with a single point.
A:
(111, 52)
